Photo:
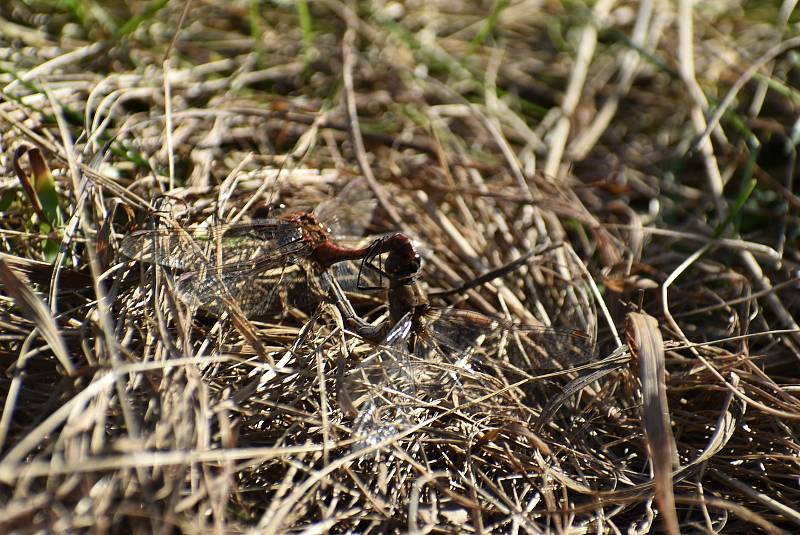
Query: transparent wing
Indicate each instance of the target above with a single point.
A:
(463, 334)
(430, 356)
(275, 290)
(233, 246)
(348, 273)
(264, 291)
(269, 291)
(349, 213)
(383, 388)
(479, 355)
(254, 284)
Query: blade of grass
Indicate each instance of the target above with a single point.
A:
(647, 346)
(131, 24)
(625, 40)
(304, 16)
(488, 26)
(35, 309)
(45, 187)
(27, 185)
(749, 184)
(256, 29)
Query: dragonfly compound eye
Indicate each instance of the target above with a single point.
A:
(416, 264)
(400, 267)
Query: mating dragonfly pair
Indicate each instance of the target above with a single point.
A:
(256, 264)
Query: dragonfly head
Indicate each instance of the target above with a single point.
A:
(401, 269)
(402, 264)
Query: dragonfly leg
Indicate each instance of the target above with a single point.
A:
(352, 320)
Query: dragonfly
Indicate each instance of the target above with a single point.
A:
(257, 263)
(427, 349)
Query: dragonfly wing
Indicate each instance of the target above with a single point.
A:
(350, 212)
(172, 248)
(346, 274)
(534, 348)
(462, 333)
(355, 278)
(258, 286)
(384, 386)
(228, 246)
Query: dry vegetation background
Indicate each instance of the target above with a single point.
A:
(656, 140)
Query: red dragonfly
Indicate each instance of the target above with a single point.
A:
(255, 264)
(428, 348)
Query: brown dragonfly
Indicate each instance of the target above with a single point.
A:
(258, 263)
(427, 348)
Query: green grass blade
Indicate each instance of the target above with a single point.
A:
(488, 26)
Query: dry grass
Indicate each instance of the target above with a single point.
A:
(655, 140)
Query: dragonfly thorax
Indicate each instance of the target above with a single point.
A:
(314, 231)
(407, 299)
